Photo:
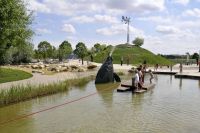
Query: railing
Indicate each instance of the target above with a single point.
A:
(184, 61)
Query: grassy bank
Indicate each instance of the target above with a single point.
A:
(136, 56)
(8, 75)
(21, 93)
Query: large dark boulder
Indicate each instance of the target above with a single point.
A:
(105, 73)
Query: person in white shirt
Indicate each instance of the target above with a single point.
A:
(136, 79)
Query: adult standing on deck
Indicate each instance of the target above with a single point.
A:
(136, 79)
(143, 70)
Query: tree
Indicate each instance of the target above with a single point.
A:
(54, 52)
(97, 47)
(45, 49)
(65, 49)
(23, 53)
(138, 41)
(81, 50)
(37, 54)
(15, 30)
(195, 56)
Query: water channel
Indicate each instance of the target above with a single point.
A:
(173, 106)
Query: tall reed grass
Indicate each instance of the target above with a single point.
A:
(21, 93)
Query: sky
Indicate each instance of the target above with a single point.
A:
(167, 26)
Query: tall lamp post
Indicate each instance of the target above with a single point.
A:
(126, 20)
(199, 61)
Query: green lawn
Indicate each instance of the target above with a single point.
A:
(136, 56)
(8, 75)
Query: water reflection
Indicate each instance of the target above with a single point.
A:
(106, 92)
(138, 99)
(170, 79)
(155, 77)
(162, 109)
(199, 84)
(180, 83)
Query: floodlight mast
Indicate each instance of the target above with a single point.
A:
(126, 20)
(199, 61)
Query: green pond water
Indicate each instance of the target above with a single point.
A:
(173, 106)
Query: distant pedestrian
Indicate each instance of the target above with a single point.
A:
(156, 67)
(122, 60)
(171, 68)
(181, 67)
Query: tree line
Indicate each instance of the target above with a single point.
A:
(16, 34)
(47, 51)
(191, 56)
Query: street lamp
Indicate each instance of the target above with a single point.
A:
(199, 61)
(126, 20)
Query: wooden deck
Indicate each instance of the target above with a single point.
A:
(140, 91)
(127, 86)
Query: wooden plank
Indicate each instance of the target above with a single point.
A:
(127, 84)
(123, 89)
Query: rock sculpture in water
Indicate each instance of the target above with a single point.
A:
(106, 74)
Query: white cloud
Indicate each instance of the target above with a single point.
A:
(43, 30)
(37, 6)
(175, 21)
(95, 19)
(137, 6)
(68, 28)
(167, 29)
(106, 19)
(117, 29)
(194, 12)
(183, 2)
(81, 19)
(156, 19)
(74, 7)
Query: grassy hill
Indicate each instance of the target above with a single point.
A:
(136, 55)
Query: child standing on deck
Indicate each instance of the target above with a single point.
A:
(151, 76)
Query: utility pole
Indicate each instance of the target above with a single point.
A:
(127, 20)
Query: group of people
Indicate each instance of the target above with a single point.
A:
(138, 79)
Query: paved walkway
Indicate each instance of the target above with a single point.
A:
(47, 79)
(38, 79)
(189, 71)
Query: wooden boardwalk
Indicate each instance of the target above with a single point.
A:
(127, 86)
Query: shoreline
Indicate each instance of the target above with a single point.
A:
(190, 71)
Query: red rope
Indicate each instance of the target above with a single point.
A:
(24, 116)
(53, 107)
